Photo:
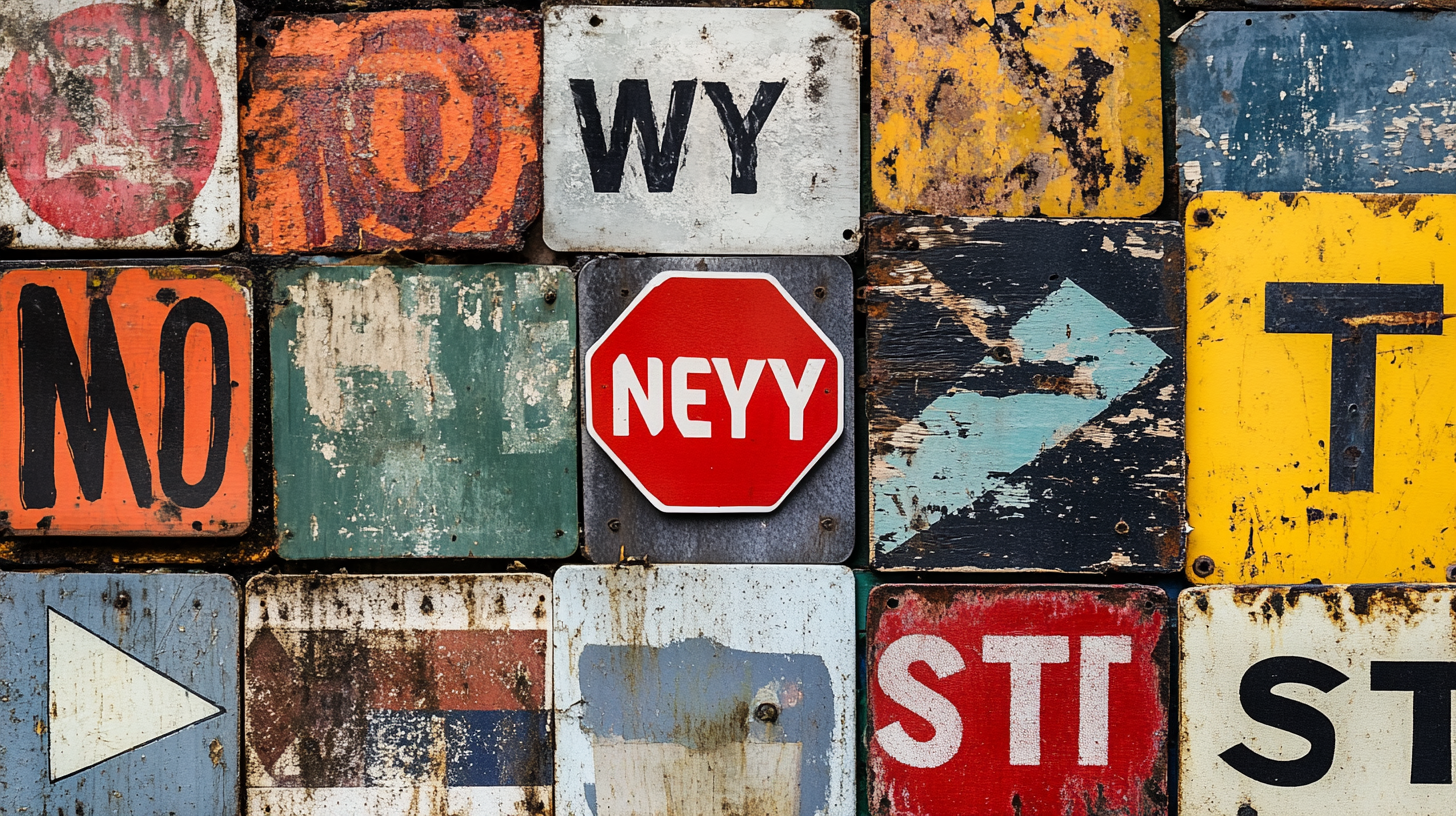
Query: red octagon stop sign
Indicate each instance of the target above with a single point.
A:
(714, 392)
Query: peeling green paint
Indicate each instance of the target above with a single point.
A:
(425, 411)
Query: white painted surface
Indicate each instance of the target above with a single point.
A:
(1098, 652)
(1025, 654)
(105, 702)
(893, 674)
(1371, 770)
(806, 610)
(216, 212)
(410, 801)
(808, 148)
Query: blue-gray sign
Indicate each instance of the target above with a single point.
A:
(1338, 101)
(119, 694)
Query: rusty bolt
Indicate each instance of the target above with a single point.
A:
(615, 525)
(766, 712)
(123, 600)
(1202, 217)
(1203, 566)
(820, 292)
(1122, 528)
(827, 523)
(550, 296)
(1451, 573)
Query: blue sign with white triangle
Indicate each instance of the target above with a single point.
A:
(122, 694)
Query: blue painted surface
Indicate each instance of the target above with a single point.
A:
(699, 693)
(1339, 101)
(184, 626)
(967, 438)
(498, 748)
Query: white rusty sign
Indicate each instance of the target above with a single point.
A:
(394, 694)
(119, 124)
(667, 704)
(1299, 699)
(701, 130)
(118, 694)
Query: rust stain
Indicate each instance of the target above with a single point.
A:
(413, 129)
(1005, 108)
(215, 753)
(1399, 319)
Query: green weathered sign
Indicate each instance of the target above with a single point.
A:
(425, 411)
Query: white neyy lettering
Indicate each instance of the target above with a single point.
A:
(684, 397)
(796, 394)
(738, 393)
(625, 385)
(1097, 654)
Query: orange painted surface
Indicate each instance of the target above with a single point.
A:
(409, 129)
(207, 491)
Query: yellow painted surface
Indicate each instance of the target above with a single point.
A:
(1259, 403)
(1000, 107)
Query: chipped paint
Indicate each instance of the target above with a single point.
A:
(425, 411)
(1315, 681)
(1016, 109)
(405, 129)
(132, 144)
(1277, 494)
(999, 380)
(1338, 101)
(422, 694)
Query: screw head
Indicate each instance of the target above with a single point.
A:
(1203, 566)
(615, 525)
(1202, 217)
(1451, 573)
(1122, 528)
(820, 292)
(123, 600)
(550, 296)
(766, 712)
(827, 523)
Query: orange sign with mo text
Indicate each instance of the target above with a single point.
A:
(129, 410)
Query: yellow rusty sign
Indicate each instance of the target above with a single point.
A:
(1017, 107)
(1321, 377)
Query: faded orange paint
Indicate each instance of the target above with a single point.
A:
(409, 129)
(209, 491)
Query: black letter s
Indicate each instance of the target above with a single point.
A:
(1263, 706)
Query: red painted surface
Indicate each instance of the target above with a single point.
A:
(979, 777)
(111, 122)
(705, 316)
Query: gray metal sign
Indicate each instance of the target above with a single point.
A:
(746, 126)
(814, 524)
(1298, 699)
(118, 694)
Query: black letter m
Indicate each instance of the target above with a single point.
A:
(50, 370)
(634, 105)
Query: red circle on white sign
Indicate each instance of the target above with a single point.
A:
(714, 392)
(111, 121)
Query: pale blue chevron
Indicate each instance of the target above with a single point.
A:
(943, 459)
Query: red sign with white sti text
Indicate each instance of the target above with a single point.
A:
(714, 392)
(1018, 700)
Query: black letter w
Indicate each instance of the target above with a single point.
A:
(634, 104)
(50, 370)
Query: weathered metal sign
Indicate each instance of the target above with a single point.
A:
(119, 694)
(1018, 699)
(1025, 394)
(667, 705)
(129, 403)
(1053, 109)
(118, 124)
(700, 374)
(425, 694)
(1314, 359)
(423, 411)
(1337, 101)
(746, 122)
(414, 129)
(1295, 697)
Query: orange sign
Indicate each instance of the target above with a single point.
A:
(129, 406)
(408, 129)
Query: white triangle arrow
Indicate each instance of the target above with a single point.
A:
(105, 702)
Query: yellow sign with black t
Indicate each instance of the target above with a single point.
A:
(1321, 388)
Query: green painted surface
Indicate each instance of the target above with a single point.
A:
(425, 411)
